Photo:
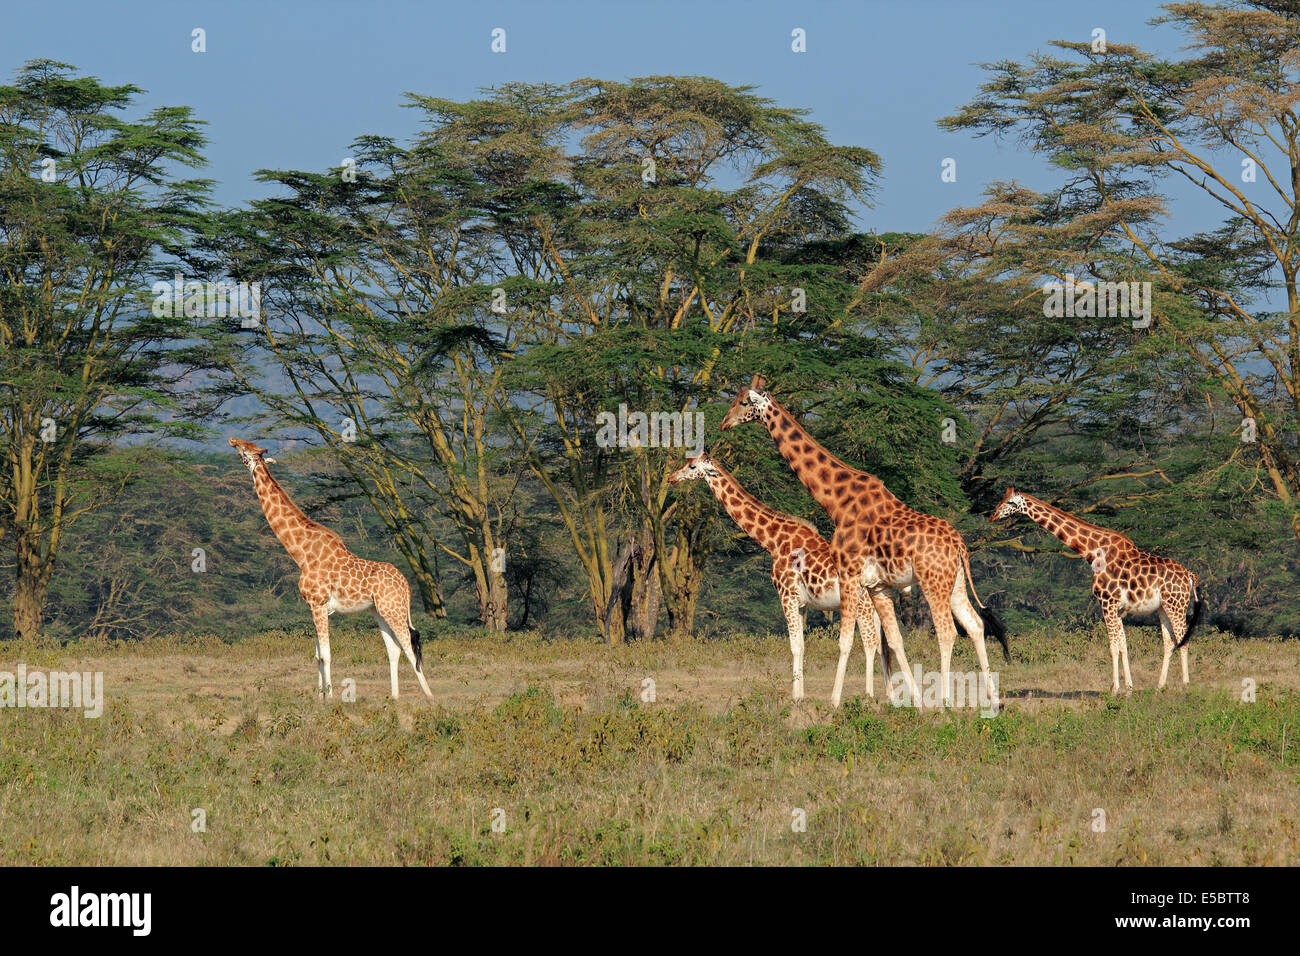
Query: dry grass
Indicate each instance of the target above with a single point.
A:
(555, 735)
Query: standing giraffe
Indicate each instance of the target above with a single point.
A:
(803, 568)
(879, 543)
(1125, 581)
(333, 579)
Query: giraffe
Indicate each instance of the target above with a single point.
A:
(879, 542)
(1125, 581)
(803, 568)
(335, 580)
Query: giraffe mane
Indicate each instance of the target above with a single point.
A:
(780, 515)
(315, 525)
(1077, 519)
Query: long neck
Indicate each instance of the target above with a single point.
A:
(1076, 534)
(294, 529)
(756, 519)
(831, 482)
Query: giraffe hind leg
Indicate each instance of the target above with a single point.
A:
(1167, 644)
(1174, 618)
(894, 638)
(394, 655)
(946, 628)
(973, 625)
(394, 611)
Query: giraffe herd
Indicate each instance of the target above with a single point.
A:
(880, 546)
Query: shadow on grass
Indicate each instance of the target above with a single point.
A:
(1034, 693)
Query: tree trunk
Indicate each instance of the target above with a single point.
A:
(682, 573)
(489, 563)
(493, 608)
(686, 578)
(430, 592)
(611, 617)
(646, 593)
(31, 580)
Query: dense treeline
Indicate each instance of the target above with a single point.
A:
(129, 569)
(443, 331)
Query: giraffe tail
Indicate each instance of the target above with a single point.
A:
(1198, 611)
(992, 623)
(417, 644)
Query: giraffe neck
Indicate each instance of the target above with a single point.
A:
(1076, 534)
(294, 529)
(831, 482)
(756, 519)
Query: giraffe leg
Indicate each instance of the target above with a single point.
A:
(944, 626)
(1167, 641)
(409, 651)
(850, 588)
(1177, 630)
(869, 631)
(974, 625)
(1115, 634)
(889, 623)
(1123, 654)
(320, 616)
(393, 608)
(794, 627)
(394, 655)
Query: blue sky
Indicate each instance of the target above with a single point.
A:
(289, 85)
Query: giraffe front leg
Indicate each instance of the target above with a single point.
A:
(869, 630)
(849, 590)
(320, 616)
(1115, 634)
(794, 627)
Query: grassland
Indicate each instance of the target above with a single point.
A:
(552, 739)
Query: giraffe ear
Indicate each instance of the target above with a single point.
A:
(269, 461)
(759, 383)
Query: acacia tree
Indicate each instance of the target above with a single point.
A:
(90, 215)
(535, 260)
(690, 193)
(385, 345)
(1135, 133)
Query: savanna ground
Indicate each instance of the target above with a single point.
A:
(551, 738)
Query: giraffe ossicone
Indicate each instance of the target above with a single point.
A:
(334, 580)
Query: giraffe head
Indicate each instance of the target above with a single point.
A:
(249, 454)
(749, 405)
(701, 466)
(1012, 504)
